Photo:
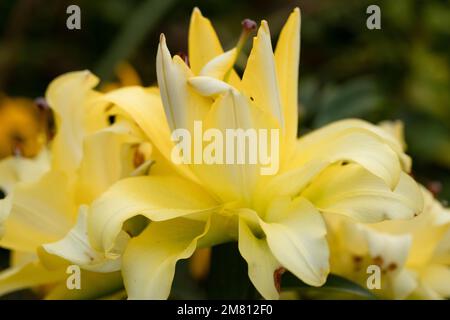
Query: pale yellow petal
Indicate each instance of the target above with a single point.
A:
(233, 180)
(92, 286)
(260, 77)
(204, 45)
(150, 258)
(76, 249)
(388, 250)
(41, 212)
(367, 138)
(219, 66)
(146, 109)
(403, 284)
(208, 87)
(70, 96)
(287, 56)
(296, 235)
(107, 157)
(29, 275)
(157, 198)
(437, 278)
(290, 183)
(261, 262)
(181, 104)
(353, 191)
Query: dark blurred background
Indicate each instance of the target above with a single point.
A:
(399, 72)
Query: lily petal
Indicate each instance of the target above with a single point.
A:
(181, 104)
(437, 278)
(204, 46)
(296, 235)
(93, 286)
(203, 43)
(14, 170)
(208, 87)
(70, 96)
(41, 212)
(261, 262)
(287, 56)
(28, 275)
(76, 249)
(260, 77)
(220, 65)
(342, 127)
(232, 180)
(146, 109)
(353, 191)
(350, 144)
(155, 197)
(150, 258)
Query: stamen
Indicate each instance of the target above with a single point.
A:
(248, 26)
(435, 187)
(277, 278)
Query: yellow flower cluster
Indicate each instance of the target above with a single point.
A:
(106, 195)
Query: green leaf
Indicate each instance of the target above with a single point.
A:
(144, 18)
(356, 98)
(336, 287)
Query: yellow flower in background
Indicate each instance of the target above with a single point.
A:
(351, 168)
(413, 255)
(22, 127)
(126, 77)
(47, 197)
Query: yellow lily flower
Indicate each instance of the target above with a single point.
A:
(350, 168)
(126, 76)
(47, 199)
(21, 127)
(413, 255)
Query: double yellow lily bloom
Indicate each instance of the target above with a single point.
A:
(86, 207)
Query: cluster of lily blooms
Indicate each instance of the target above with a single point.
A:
(105, 194)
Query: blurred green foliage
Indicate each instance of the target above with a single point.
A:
(399, 72)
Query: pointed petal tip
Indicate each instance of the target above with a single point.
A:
(264, 26)
(296, 14)
(196, 12)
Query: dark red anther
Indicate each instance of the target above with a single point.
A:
(435, 187)
(249, 25)
(277, 278)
